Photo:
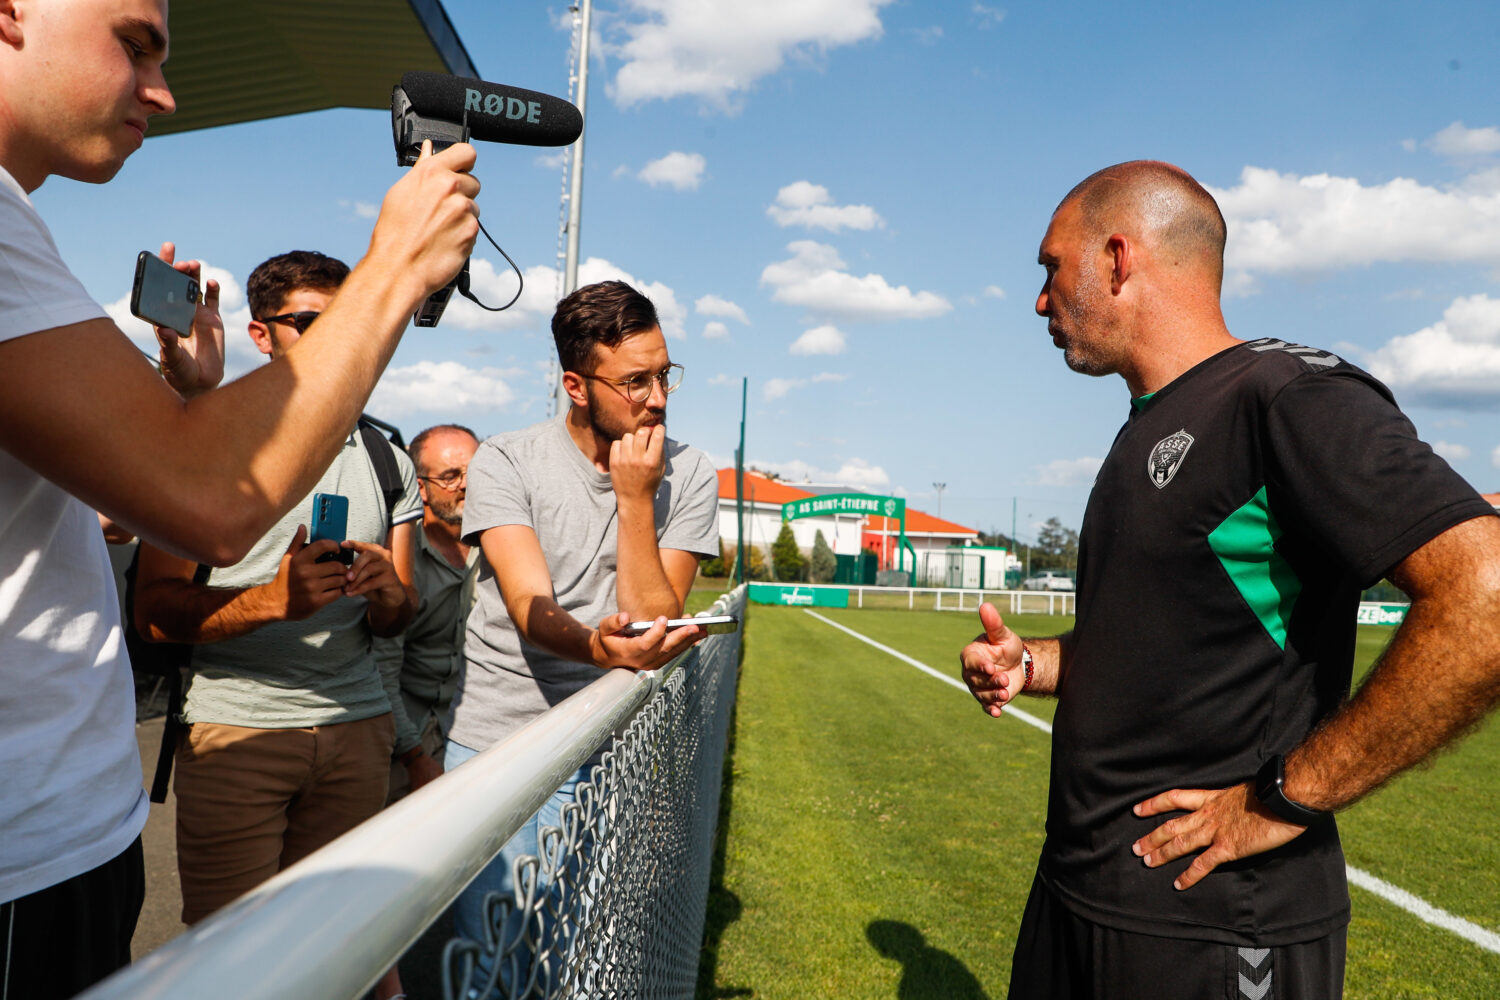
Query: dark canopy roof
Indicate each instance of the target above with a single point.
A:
(242, 60)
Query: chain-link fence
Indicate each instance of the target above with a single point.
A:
(614, 905)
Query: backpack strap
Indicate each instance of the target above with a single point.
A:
(166, 660)
(383, 457)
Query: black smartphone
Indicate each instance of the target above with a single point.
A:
(330, 520)
(711, 624)
(163, 295)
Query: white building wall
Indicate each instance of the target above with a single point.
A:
(763, 524)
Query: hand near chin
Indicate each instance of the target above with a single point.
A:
(637, 462)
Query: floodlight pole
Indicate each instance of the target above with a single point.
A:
(940, 487)
(575, 179)
(739, 488)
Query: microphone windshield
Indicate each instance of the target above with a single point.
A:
(496, 113)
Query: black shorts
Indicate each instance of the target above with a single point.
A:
(1060, 956)
(61, 940)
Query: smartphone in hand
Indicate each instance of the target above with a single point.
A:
(163, 295)
(711, 625)
(330, 518)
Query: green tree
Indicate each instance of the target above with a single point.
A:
(1056, 547)
(824, 563)
(755, 563)
(719, 565)
(786, 558)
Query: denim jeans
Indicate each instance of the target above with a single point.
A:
(468, 908)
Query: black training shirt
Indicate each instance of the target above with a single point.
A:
(1239, 514)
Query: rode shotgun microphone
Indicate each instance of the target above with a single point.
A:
(449, 109)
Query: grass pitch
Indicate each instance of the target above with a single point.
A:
(879, 832)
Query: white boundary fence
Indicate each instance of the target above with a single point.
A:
(1040, 602)
(330, 925)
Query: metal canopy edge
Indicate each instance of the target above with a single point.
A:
(244, 60)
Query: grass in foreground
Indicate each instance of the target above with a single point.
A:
(882, 832)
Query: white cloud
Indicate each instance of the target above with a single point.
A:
(1495, 457)
(1068, 472)
(989, 17)
(993, 292)
(1458, 142)
(360, 209)
(858, 472)
(713, 305)
(803, 203)
(820, 340)
(1451, 452)
(539, 297)
(552, 161)
(854, 472)
(1455, 362)
(719, 379)
(682, 171)
(716, 50)
(927, 36)
(714, 330)
(495, 287)
(444, 386)
(1281, 222)
(776, 388)
(240, 352)
(814, 277)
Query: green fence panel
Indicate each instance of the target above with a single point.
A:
(820, 597)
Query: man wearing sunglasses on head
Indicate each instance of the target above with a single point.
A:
(289, 732)
(586, 522)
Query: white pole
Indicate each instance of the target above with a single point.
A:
(575, 182)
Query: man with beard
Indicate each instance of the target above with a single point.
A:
(1204, 733)
(420, 666)
(587, 522)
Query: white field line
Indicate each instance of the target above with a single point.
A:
(1032, 720)
(1396, 896)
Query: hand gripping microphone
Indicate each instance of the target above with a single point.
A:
(449, 109)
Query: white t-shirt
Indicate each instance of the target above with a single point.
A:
(70, 775)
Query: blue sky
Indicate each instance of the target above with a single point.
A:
(841, 201)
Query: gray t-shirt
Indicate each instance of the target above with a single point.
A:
(320, 670)
(539, 478)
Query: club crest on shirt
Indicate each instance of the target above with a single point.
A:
(1166, 457)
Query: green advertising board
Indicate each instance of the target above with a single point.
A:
(1382, 614)
(779, 593)
(859, 504)
(844, 503)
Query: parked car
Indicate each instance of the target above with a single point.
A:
(1048, 580)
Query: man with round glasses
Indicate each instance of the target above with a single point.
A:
(587, 522)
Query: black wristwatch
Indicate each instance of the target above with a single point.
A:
(1268, 789)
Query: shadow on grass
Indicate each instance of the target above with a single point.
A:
(724, 906)
(927, 973)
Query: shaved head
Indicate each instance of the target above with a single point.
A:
(1160, 204)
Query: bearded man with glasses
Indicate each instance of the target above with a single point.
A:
(587, 522)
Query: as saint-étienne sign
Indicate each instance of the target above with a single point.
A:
(845, 503)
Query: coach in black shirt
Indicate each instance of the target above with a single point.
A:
(1204, 735)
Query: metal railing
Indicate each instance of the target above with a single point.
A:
(634, 859)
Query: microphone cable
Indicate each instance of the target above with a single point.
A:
(463, 278)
